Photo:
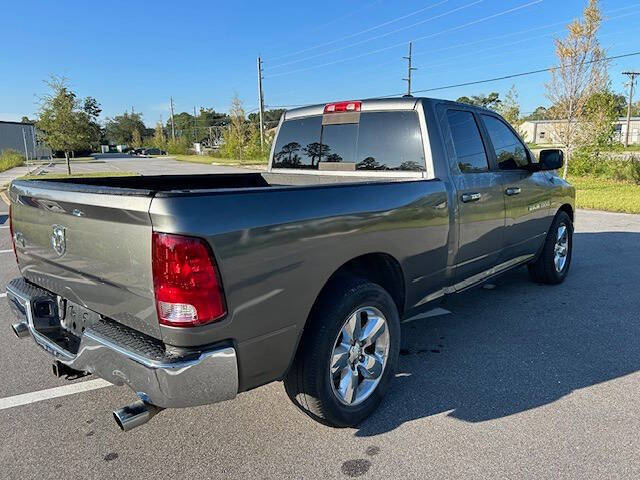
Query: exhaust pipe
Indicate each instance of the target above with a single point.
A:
(135, 414)
(20, 329)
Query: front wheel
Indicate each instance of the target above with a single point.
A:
(348, 354)
(552, 265)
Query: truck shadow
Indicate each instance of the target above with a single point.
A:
(521, 345)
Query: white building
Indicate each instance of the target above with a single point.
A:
(547, 131)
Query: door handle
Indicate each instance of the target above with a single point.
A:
(512, 191)
(470, 197)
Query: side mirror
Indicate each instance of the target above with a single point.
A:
(551, 159)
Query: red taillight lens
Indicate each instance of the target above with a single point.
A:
(13, 239)
(342, 107)
(186, 281)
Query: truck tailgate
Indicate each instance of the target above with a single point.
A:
(91, 246)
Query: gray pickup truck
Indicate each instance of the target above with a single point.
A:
(191, 289)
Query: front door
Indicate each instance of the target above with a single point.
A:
(526, 194)
(480, 202)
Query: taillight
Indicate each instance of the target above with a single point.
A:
(13, 240)
(186, 281)
(353, 106)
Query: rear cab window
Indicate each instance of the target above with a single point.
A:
(369, 141)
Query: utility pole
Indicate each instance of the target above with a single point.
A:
(409, 70)
(26, 150)
(173, 125)
(195, 125)
(261, 103)
(632, 81)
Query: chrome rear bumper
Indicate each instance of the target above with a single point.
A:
(197, 378)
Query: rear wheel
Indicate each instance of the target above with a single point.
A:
(348, 354)
(552, 265)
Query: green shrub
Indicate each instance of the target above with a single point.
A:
(179, 146)
(585, 163)
(9, 159)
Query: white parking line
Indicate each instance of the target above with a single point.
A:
(3, 294)
(6, 251)
(33, 397)
(4, 226)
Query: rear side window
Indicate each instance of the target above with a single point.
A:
(467, 142)
(510, 151)
(379, 141)
(390, 141)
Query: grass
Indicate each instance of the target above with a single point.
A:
(605, 194)
(54, 176)
(217, 161)
(10, 159)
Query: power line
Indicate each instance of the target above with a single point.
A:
(459, 27)
(514, 75)
(502, 45)
(323, 25)
(486, 80)
(366, 40)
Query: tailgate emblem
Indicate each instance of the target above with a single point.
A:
(58, 241)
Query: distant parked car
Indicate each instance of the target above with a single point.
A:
(154, 151)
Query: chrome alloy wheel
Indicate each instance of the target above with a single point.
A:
(359, 356)
(561, 249)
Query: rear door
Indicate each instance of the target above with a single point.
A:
(480, 202)
(526, 193)
(91, 246)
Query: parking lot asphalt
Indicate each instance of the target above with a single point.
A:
(519, 381)
(142, 165)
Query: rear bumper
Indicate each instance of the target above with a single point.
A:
(168, 381)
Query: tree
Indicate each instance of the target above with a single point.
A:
(159, 139)
(236, 136)
(540, 113)
(598, 125)
(136, 139)
(491, 101)
(581, 71)
(120, 129)
(270, 118)
(510, 108)
(64, 123)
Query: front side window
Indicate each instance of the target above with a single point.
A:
(467, 142)
(510, 152)
(379, 141)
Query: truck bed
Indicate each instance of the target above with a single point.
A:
(150, 185)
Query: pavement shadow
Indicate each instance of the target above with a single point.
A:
(521, 345)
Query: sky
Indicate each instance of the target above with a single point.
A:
(136, 55)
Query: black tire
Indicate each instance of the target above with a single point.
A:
(308, 383)
(544, 270)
